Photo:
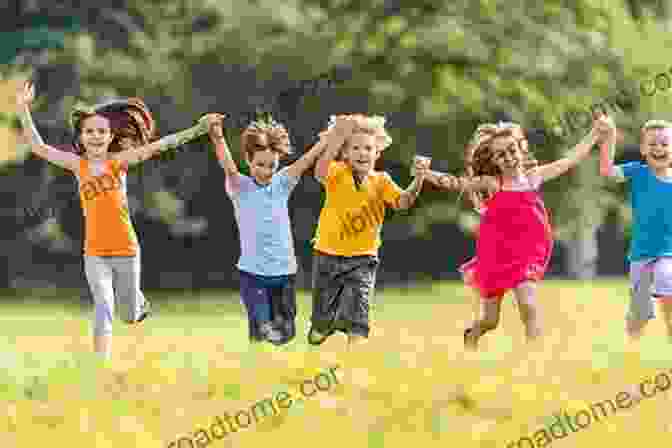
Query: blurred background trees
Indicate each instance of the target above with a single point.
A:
(435, 69)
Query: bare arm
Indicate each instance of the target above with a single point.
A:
(410, 194)
(62, 159)
(222, 149)
(297, 168)
(142, 153)
(561, 166)
(335, 138)
(607, 154)
(461, 183)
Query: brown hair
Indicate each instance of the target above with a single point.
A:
(478, 154)
(265, 135)
(129, 118)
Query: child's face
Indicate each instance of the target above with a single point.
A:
(263, 165)
(655, 147)
(506, 155)
(96, 135)
(361, 153)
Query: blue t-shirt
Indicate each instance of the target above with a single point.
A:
(650, 197)
(262, 214)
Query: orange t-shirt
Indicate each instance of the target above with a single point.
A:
(352, 217)
(108, 228)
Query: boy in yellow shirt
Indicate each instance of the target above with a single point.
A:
(348, 233)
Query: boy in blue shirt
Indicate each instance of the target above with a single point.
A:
(651, 246)
(267, 263)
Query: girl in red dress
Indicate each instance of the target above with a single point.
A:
(514, 239)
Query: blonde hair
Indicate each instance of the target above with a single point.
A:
(364, 124)
(654, 124)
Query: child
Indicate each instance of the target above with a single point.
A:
(111, 248)
(267, 261)
(348, 233)
(514, 240)
(651, 245)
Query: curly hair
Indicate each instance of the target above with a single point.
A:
(478, 154)
(364, 124)
(262, 135)
(129, 118)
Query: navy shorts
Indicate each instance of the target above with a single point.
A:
(280, 292)
(342, 289)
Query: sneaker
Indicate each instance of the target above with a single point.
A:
(270, 334)
(145, 312)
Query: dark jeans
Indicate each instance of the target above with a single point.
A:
(280, 292)
(342, 288)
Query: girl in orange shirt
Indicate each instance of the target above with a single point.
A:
(111, 247)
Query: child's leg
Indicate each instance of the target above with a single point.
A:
(666, 306)
(99, 276)
(133, 306)
(326, 298)
(525, 295)
(357, 298)
(257, 301)
(662, 274)
(283, 308)
(642, 308)
(487, 321)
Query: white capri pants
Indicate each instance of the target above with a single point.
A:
(649, 279)
(114, 281)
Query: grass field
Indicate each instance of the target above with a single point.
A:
(411, 385)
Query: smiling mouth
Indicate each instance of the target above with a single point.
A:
(658, 157)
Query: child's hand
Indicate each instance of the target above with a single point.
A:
(214, 121)
(449, 182)
(604, 127)
(422, 168)
(25, 95)
(344, 125)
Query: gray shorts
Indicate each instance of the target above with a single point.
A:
(649, 279)
(114, 282)
(342, 289)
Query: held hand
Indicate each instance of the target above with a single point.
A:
(25, 95)
(421, 168)
(604, 127)
(344, 126)
(449, 182)
(214, 124)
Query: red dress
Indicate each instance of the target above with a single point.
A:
(514, 243)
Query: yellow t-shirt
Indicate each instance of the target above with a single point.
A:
(351, 219)
(108, 228)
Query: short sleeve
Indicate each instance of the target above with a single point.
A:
(233, 185)
(534, 180)
(287, 182)
(390, 190)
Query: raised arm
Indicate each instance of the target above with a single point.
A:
(63, 159)
(222, 151)
(607, 154)
(575, 156)
(297, 168)
(335, 138)
(461, 183)
(142, 153)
